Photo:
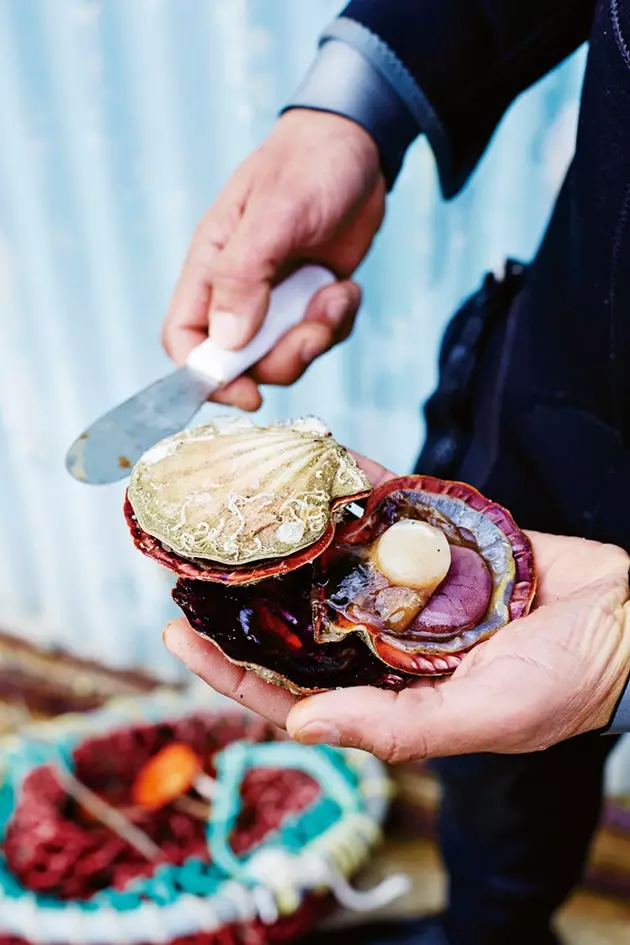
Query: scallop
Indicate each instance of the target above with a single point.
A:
(432, 569)
(233, 493)
(413, 554)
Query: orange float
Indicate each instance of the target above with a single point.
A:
(165, 777)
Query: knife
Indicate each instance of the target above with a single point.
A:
(107, 450)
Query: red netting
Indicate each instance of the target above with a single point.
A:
(55, 849)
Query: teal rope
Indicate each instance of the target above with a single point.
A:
(327, 767)
(340, 795)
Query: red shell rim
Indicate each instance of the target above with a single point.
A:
(220, 574)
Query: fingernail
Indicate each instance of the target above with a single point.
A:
(227, 329)
(336, 311)
(318, 733)
(311, 350)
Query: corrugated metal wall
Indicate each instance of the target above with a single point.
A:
(119, 120)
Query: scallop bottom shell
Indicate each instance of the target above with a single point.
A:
(268, 628)
(491, 580)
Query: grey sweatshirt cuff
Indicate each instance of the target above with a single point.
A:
(358, 76)
(620, 724)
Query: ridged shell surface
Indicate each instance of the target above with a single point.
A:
(234, 493)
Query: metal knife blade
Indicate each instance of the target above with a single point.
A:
(110, 447)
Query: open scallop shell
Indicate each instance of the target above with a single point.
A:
(287, 632)
(232, 502)
(491, 580)
(264, 510)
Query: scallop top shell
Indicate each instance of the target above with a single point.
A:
(232, 493)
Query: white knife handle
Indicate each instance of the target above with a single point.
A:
(287, 307)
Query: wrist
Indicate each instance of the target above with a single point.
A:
(344, 83)
(312, 123)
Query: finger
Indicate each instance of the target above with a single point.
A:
(336, 305)
(567, 564)
(376, 473)
(243, 272)
(429, 720)
(186, 323)
(242, 393)
(294, 354)
(203, 658)
(329, 320)
(179, 340)
(372, 720)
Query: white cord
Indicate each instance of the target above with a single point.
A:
(275, 869)
(369, 900)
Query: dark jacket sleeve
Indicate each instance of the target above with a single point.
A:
(454, 65)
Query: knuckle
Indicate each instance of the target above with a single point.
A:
(405, 741)
(238, 687)
(247, 263)
(278, 374)
(285, 208)
(392, 747)
(227, 268)
(286, 380)
(347, 327)
(384, 731)
(420, 748)
(211, 235)
(203, 254)
(209, 231)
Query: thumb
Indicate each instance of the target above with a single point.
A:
(374, 720)
(431, 719)
(243, 273)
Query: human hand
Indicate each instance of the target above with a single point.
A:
(544, 678)
(313, 192)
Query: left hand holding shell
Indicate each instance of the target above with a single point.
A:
(549, 676)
